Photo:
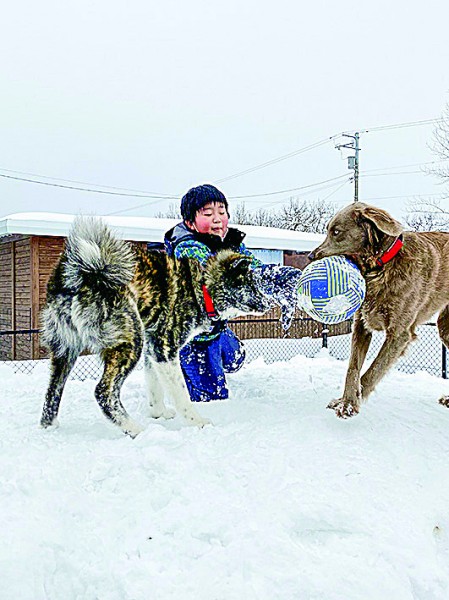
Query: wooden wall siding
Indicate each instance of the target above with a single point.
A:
(34, 265)
(6, 299)
(6, 251)
(22, 284)
(50, 249)
(253, 327)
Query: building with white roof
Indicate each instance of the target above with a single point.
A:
(31, 243)
(145, 229)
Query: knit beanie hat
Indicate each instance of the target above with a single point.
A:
(199, 196)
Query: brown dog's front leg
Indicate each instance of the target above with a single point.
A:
(392, 349)
(349, 404)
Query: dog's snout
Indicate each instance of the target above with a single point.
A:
(311, 255)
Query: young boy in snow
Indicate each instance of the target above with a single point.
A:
(203, 232)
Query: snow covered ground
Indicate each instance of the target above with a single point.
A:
(279, 500)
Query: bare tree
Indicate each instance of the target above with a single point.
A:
(240, 214)
(265, 218)
(261, 216)
(433, 215)
(427, 215)
(440, 145)
(299, 215)
(172, 212)
(307, 215)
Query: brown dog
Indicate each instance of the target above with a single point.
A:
(407, 282)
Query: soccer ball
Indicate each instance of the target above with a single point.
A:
(330, 290)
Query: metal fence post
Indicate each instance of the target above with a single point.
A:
(444, 362)
(324, 335)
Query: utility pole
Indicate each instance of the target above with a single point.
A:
(353, 160)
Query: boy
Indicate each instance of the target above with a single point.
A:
(203, 232)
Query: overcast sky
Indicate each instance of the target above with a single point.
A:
(159, 96)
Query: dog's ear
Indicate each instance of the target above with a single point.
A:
(382, 220)
(240, 265)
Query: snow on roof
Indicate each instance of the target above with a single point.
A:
(152, 229)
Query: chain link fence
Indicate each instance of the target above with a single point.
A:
(426, 354)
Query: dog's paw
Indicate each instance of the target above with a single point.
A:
(200, 422)
(49, 425)
(444, 401)
(343, 409)
(131, 428)
(165, 413)
(203, 422)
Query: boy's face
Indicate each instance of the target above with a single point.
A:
(212, 218)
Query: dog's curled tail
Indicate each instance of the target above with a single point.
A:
(94, 256)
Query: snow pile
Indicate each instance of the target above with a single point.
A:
(279, 500)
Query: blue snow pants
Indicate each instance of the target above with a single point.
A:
(204, 365)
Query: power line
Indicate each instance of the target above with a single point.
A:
(369, 199)
(320, 143)
(353, 160)
(125, 192)
(264, 194)
(296, 189)
(320, 186)
(256, 167)
(411, 195)
(160, 197)
(274, 160)
(99, 185)
(402, 125)
(312, 188)
(119, 212)
(315, 191)
(337, 190)
(71, 187)
(365, 174)
(420, 164)
(403, 196)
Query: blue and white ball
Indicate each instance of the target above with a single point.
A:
(331, 290)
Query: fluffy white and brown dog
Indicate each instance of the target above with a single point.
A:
(111, 298)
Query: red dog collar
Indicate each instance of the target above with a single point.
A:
(208, 302)
(391, 252)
